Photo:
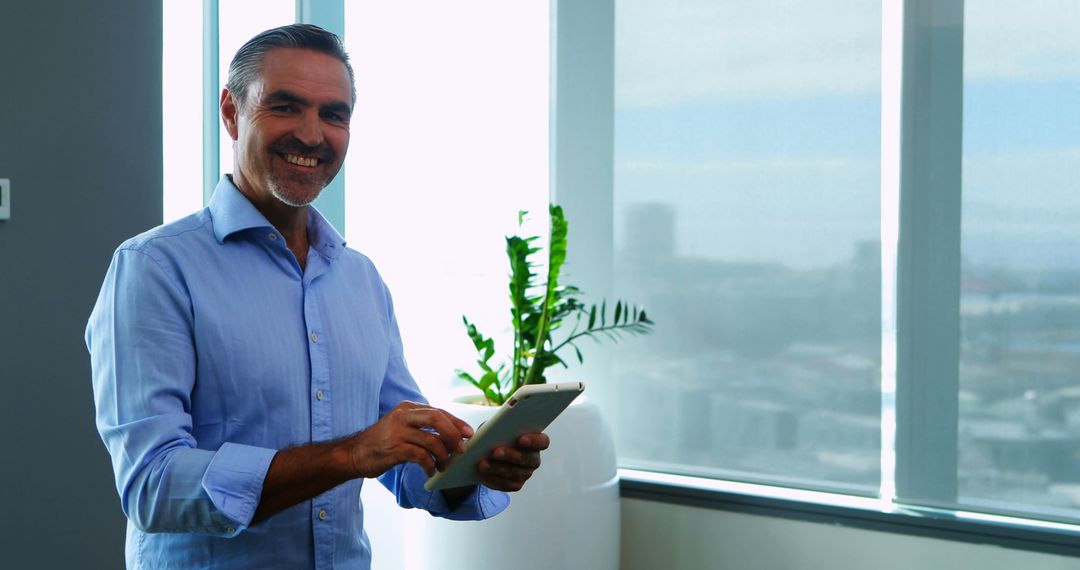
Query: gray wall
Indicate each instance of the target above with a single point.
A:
(80, 139)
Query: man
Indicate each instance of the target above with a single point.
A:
(247, 367)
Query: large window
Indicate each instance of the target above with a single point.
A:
(862, 253)
(746, 211)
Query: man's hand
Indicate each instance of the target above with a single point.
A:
(507, 468)
(410, 432)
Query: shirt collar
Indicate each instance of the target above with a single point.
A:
(232, 212)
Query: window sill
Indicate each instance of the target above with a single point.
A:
(849, 511)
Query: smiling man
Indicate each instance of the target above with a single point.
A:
(290, 120)
(247, 366)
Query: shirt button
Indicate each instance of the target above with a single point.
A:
(318, 394)
(230, 530)
(314, 337)
(272, 237)
(322, 515)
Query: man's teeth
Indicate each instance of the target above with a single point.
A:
(302, 160)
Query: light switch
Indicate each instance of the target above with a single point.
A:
(5, 199)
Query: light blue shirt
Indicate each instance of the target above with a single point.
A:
(210, 351)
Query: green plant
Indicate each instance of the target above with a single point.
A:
(538, 308)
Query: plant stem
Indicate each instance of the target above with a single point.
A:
(541, 338)
(518, 340)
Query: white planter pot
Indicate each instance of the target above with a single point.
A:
(567, 516)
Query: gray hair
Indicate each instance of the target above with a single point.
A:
(247, 63)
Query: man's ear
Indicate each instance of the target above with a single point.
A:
(230, 112)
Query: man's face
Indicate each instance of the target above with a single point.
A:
(292, 130)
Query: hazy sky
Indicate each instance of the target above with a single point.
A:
(761, 125)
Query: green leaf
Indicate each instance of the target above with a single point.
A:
(556, 257)
(489, 379)
(522, 305)
(468, 378)
(618, 311)
(485, 346)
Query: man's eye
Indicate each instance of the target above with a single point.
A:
(281, 108)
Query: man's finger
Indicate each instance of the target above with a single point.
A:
(430, 443)
(505, 473)
(421, 457)
(534, 441)
(492, 481)
(439, 420)
(529, 460)
(463, 426)
(516, 456)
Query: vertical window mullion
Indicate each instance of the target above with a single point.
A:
(582, 151)
(211, 90)
(892, 57)
(330, 15)
(928, 253)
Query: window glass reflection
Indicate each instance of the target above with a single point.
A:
(1020, 290)
(747, 221)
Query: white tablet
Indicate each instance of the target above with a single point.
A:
(529, 410)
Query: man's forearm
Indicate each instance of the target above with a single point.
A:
(410, 432)
(301, 473)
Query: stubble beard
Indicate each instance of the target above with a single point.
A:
(297, 199)
(298, 189)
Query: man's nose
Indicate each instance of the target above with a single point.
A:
(309, 131)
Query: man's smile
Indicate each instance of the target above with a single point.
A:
(308, 161)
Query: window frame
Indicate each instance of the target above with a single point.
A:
(927, 303)
(851, 512)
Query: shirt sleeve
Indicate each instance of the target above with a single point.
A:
(143, 365)
(406, 481)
